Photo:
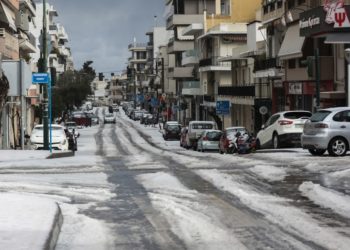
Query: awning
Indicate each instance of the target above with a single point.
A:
(292, 44)
(193, 29)
(341, 38)
(8, 16)
(182, 37)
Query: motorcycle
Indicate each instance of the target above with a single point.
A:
(246, 143)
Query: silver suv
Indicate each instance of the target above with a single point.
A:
(327, 130)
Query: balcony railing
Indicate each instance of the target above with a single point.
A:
(266, 64)
(237, 90)
(137, 45)
(213, 61)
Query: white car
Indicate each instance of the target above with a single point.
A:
(59, 139)
(195, 129)
(282, 128)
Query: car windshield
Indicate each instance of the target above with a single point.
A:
(214, 135)
(173, 127)
(320, 115)
(202, 126)
(297, 115)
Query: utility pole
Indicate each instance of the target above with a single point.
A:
(43, 69)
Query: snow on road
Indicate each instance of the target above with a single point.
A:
(278, 211)
(190, 218)
(338, 202)
(270, 173)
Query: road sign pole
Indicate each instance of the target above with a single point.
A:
(50, 114)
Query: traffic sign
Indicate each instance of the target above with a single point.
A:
(223, 107)
(40, 78)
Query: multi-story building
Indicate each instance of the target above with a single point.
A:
(137, 66)
(9, 45)
(182, 15)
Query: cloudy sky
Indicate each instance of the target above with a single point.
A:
(101, 30)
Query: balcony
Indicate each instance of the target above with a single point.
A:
(179, 46)
(237, 90)
(137, 46)
(189, 58)
(182, 20)
(180, 72)
(30, 5)
(265, 64)
(191, 88)
(8, 45)
(212, 64)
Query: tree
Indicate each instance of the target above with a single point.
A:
(72, 89)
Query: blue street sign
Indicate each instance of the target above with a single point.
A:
(40, 78)
(223, 107)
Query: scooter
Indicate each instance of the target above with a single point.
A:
(246, 143)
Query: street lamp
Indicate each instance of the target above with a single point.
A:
(347, 56)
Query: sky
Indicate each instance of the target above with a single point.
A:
(102, 30)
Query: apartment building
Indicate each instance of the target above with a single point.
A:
(137, 66)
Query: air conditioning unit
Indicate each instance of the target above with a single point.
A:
(2, 32)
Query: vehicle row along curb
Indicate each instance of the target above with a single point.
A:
(52, 238)
(60, 155)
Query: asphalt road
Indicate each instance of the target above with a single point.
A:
(136, 224)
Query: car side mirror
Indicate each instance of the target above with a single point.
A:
(263, 126)
(26, 136)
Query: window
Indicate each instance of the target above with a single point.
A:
(291, 64)
(343, 116)
(291, 4)
(279, 4)
(301, 2)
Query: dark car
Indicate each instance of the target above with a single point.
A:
(172, 131)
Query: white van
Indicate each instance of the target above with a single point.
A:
(195, 128)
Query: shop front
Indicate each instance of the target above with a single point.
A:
(329, 22)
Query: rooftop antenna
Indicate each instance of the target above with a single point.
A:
(155, 21)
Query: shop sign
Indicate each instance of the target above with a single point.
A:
(295, 88)
(331, 17)
(336, 14)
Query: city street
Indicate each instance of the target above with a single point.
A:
(127, 188)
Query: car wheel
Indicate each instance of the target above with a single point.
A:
(317, 152)
(220, 151)
(275, 141)
(337, 147)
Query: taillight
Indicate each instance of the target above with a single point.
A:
(321, 125)
(205, 138)
(284, 122)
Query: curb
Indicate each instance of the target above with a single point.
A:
(60, 155)
(51, 241)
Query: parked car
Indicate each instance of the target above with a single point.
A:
(94, 119)
(209, 140)
(195, 128)
(327, 130)
(109, 118)
(283, 128)
(115, 107)
(228, 144)
(144, 117)
(136, 115)
(81, 119)
(172, 131)
(183, 134)
(59, 139)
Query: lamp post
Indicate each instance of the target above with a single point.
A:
(44, 87)
(347, 56)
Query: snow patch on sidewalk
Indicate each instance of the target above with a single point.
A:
(327, 198)
(278, 211)
(25, 221)
(270, 173)
(190, 219)
(82, 232)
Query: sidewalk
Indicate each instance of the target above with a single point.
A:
(28, 222)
